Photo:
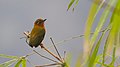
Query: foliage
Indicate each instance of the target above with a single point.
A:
(14, 59)
(91, 45)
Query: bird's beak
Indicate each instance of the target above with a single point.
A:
(44, 20)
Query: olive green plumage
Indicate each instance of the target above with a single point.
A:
(37, 34)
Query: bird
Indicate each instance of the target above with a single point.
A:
(37, 34)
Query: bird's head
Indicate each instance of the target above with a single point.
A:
(40, 22)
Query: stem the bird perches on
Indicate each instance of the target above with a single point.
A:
(43, 47)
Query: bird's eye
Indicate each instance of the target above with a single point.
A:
(40, 22)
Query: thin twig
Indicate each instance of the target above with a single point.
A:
(45, 57)
(42, 46)
(27, 34)
(29, 54)
(75, 37)
(68, 39)
(23, 37)
(64, 55)
(55, 48)
(33, 65)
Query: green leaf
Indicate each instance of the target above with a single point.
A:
(115, 21)
(24, 62)
(18, 63)
(97, 60)
(113, 57)
(67, 61)
(105, 49)
(8, 56)
(8, 63)
(95, 51)
(114, 33)
(90, 20)
(103, 18)
(70, 4)
(91, 17)
(78, 62)
(77, 1)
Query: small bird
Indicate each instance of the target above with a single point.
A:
(37, 34)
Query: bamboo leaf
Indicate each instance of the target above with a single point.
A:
(67, 60)
(98, 58)
(114, 23)
(104, 51)
(78, 63)
(8, 56)
(103, 18)
(8, 63)
(115, 19)
(18, 63)
(90, 20)
(24, 62)
(70, 4)
(113, 57)
(113, 34)
(76, 3)
(95, 51)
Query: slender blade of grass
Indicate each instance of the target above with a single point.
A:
(115, 29)
(100, 24)
(76, 3)
(113, 57)
(115, 21)
(103, 18)
(67, 60)
(98, 58)
(8, 63)
(91, 61)
(18, 63)
(104, 51)
(90, 20)
(78, 62)
(115, 26)
(70, 4)
(23, 62)
(8, 56)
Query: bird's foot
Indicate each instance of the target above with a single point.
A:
(41, 45)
